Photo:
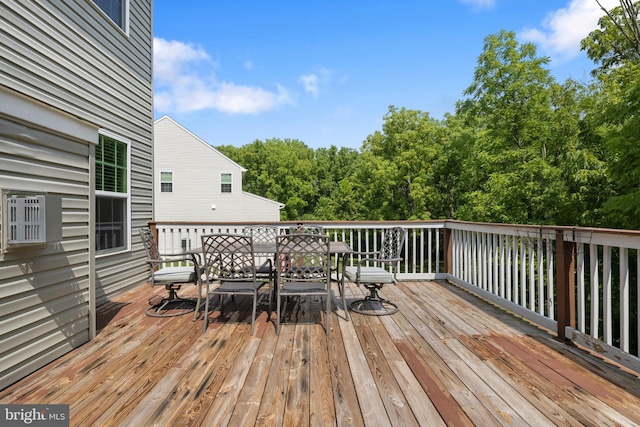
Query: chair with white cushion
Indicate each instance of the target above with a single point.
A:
(170, 270)
(374, 270)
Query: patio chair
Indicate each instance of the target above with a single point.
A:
(171, 270)
(371, 273)
(229, 263)
(263, 234)
(303, 269)
(306, 228)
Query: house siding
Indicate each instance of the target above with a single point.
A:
(68, 58)
(196, 168)
(256, 208)
(45, 306)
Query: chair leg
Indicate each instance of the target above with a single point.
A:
(206, 312)
(164, 309)
(344, 298)
(373, 304)
(277, 314)
(253, 312)
(328, 308)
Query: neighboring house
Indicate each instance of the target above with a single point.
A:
(195, 182)
(76, 122)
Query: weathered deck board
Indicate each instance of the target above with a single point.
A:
(446, 358)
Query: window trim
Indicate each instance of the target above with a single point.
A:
(127, 195)
(126, 4)
(167, 182)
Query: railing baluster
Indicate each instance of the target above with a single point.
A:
(509, 270)
(595, 290)
(502, 267)
(582, 302)
(541, 298)
(516, 285)
(606, 294)
(550, 280)
(523, 273)
(624, 299)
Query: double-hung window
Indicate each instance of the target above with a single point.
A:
(112, 194)
(166, 182)
(225, 183)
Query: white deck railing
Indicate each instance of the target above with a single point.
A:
(572, 286)
(422, 251)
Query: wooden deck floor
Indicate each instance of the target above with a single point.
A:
(446, 358)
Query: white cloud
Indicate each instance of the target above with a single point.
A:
(562, 30)
(310, 82)
(313, 82)
(185, 81)
(480, 4)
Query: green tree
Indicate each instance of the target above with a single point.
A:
(517, 161)
(281, 170)
(395, 175)
(335, 169)
(617, 42)
(615, 48)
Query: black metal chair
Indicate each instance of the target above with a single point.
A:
(229, 263)
(371, 273)
(305, 229)
(171, 270)
(303, 269)
(263, 234)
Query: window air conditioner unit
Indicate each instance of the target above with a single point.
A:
(25, 219)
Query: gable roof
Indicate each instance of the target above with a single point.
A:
(200, 140)
(255, 196)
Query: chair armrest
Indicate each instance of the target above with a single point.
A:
(363, 253)
(177, 257)
(379, 260)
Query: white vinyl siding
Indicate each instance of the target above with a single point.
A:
(197, 194)
(45, 305)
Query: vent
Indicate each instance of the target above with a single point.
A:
(25, 219)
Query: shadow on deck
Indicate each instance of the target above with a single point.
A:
(446, 358)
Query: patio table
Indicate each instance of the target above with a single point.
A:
(340, 249)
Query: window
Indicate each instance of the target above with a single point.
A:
(225, 183)
(166, 182)
(112, 194)
(115, 9)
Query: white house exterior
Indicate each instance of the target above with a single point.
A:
(195, 182)
(76, 150)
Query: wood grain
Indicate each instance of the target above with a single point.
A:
(445, 358)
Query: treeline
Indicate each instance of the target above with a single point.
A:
(519, 148)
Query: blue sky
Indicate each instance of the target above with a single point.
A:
(325, 72)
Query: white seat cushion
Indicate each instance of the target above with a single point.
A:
(369, 274)
(174, 275)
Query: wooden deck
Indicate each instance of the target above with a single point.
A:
(446, 358)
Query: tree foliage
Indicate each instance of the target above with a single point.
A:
(520, 147)
(616, 47)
